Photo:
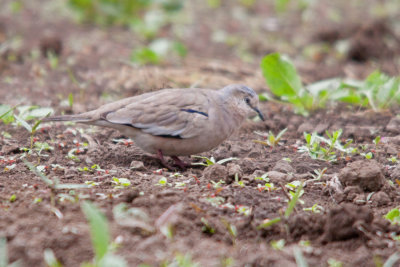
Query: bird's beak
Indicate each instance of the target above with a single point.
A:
(259, 114)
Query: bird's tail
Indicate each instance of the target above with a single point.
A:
(76, 118)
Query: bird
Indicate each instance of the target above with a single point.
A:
(175, 122)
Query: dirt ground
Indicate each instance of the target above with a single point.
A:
(216, 225)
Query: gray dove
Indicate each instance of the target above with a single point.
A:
(175, 122)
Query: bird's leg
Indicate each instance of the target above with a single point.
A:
(180, 163)
(163, 161)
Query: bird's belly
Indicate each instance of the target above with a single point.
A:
(175, 146)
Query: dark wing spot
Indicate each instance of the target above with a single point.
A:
(194, 111)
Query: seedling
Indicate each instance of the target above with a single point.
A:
(393, 216)
(50, 258)
(54, 184)
(218, 184)
(278, 244)
(315, 208)
(6, 114)
(4, 255)
(319, 173)
(334, 263)
(206, 227)
(163, 181)
(121, 182)
(319, 147)
(289, 209)
(271, 139)
(211, 161)
(368, 155)
(100, 237)
(53, 60)
(238, 182)
(393, 159)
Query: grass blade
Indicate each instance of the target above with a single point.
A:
(98, 229)
(293, 201)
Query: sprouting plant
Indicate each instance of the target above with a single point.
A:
(30, 129)
(52, 59)
(54, 184)
(289, 209)
(163, 181)
(211, 161)
(319, 147)
(271, 139)
(319, 173)
(377, 140)
(50, 258)
(238, 182)
(315, 208)
(393, 216)
(6, 114)
(218, 184)
(4, 255)
(334, 263)
(121, 182)
(393, 159)
(368, 155)
(100, 237)
(207, 228)
(278, 244)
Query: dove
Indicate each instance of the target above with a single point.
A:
(176, 122)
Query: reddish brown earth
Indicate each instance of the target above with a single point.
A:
(353, 194)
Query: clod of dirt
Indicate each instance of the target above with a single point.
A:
(369, 42)
(365, 174)
(343, 221)
(393, 125)
(396, 172)
(70, 173)
(51, 44)
(283, 166)
(137, 165)
(351, 192)
(278, 177)
(234, 169)
(311, 225)
(380, 199)
(215, 173)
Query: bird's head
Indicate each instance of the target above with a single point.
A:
(242, 98)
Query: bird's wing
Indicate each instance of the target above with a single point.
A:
(180, 113)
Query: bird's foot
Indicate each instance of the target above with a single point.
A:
(160, 156)
(181, 164)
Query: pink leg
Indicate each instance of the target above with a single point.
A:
(180, 163)
(163, 161)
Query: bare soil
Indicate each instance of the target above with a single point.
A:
(353, 194)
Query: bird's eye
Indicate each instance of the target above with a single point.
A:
(247, 100)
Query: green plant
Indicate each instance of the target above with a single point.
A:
(100, 237)
(393, 216)
(4, 255)
(271, 139)
(289, 209)
(284, 82)
(211, 161)
(157, 51)
(6, 114)
(322, 148)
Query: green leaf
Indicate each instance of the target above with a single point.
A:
(392, 214)
(292, 203)
(3, 252)
(98, 229)
(281, 75)
(23, 123)
(145, 56)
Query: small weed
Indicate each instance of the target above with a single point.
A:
(278, 244)
(322, 148)
(121, 182)
(211, 161)
(271, 139)
(289, 209)
(315, 208)
(100, 237)
(393, 216)
(4, 261)
(334, 263)
(207, 228)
